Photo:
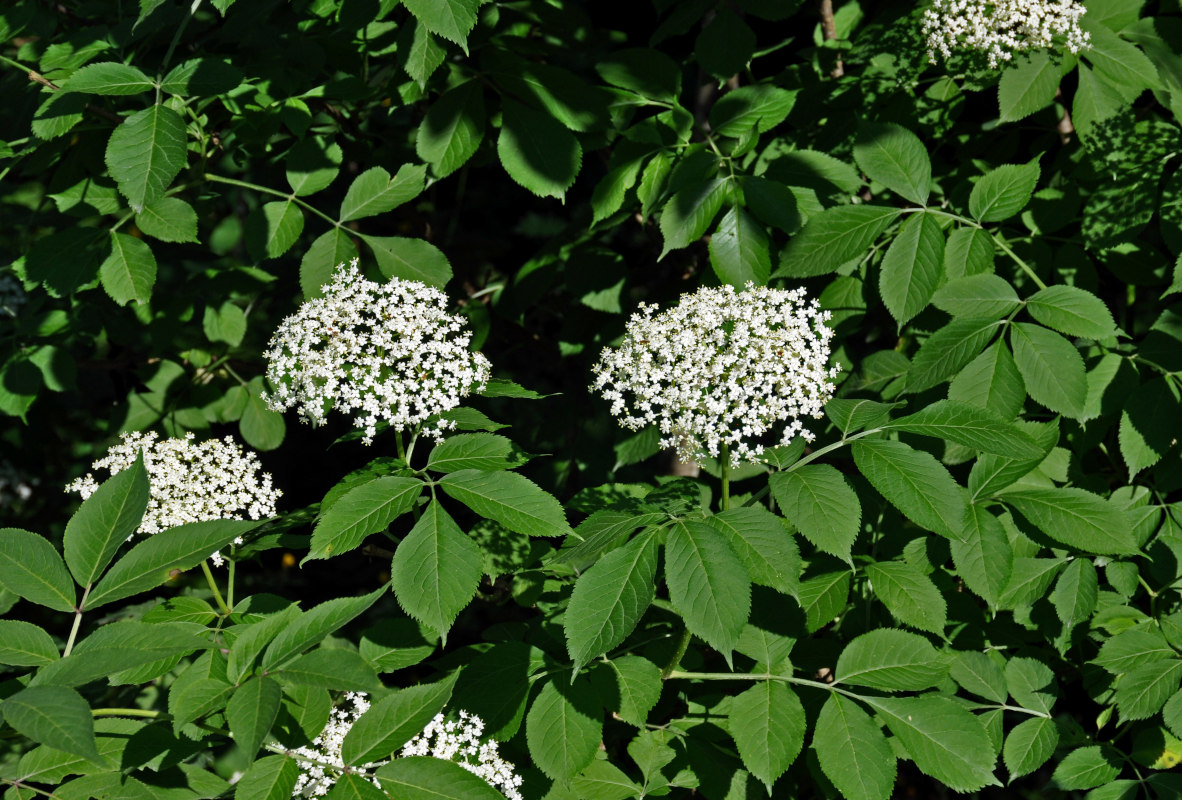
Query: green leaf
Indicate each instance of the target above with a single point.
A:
(912, 267)
(916, 484)
(991, 381)
(261, 427)
(436, 569)
(725, 44)
(832, 238)
(314, 625)
(740, 250)
(649, 73)
(225, 323)
(1076, 518)
(771, 202)
(944, 740)
(168, 219)
(563, 728)
(394, 720)
(763, 543)
(948, 350)
(984, 559)
(1074, 596)
(992, 473)
(312, 164)
(895, 157)
(410, 259)
(1027, 85)
(687, 215)
(638, 682)
(58, 114)
(767, 723)
(1142, 691)
(419, 52)
(251, 712)
(823, 597)
(601, 780)
(891, 659)
(979, 674)
(1030, 578)
(1029, 745)
(326, 668)
(31, 568)
(23, 644)
(760, 107)
(1133, 648)
(708, 584)
(54, 716)
(980, 296)
(272, 229)
(375, 192)
(353, 786)
(1073, 311)
(1149, 424)
(145, 153)
(1172, 713)
(105, 521)
(425, 777)
(821, 504)
(108, 78)
(610, 598)
(201, 77)
(483, 451)
(364, 510)
(395, 643)
(969, 252)
(1004, 191)
(1120, 63)
(451, 131)
(119, 646)
(129, 271)
(157, 558)
(973, 427)
(1051, 367)
(1025, 677)
(322, 258)
(269, 778)
(537, 151)
(853, 753)
(909, 595)
(1086, 768)
(510, 499)
(451, 19)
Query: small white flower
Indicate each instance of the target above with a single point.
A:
(1000, 28)
(321, 763)
(377, 351)
(190, 481)
(722, 368)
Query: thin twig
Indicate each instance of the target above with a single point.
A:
(829, 29)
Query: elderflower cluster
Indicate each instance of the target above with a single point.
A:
(190, 481)
(460, 742)
(378, 351)
(1000, 28)
(721, 369)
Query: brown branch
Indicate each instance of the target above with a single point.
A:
(829, 29)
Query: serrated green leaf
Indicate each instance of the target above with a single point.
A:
(145, 153)
(108, 78)
(1120, 63)
(912, 267)
(129, 270)
(510, 499)
(823, 597)
(420, 52)
(201, 77)
(452, 129)
(688, 214)
(759, 107)
(54, 716)
(832, 238)
(708, 584)
(991, 381)
(563, 727)
(892, 660)
(321, 259)
(909, 595)
(1076, 518)
(419, 777)
(1003, 191)
(821, 504)
(1051, 367)
(610, 598)
(483, 451)
(1149, 424)
(536, 151)
(1029, 745)
(1086, 768)
(979, 296)
(972, 427)
(1142, 691)
(1073, 311)
(269, 778)
(261, 427)
(740, 250)
(157, 558)
(768, 724)
(1172, 713)
(969, 252)
(334, 669)
(895, 157)
(1025, 678)
(1030, 578)
(23, 644)
(1027, 85)
(31, 568)
(168, 219)
(410, 259)
(272, 229)
(1133, 648)
(984, 559)
(916, 484)
(639, 683)
(312, 164)
(353, 786)
(948, 350)
(119, 646)
(1075, 593)
(602, 780)
(992, 473)
(853, 752)
(252, 711)
(436, 569)
(649, 73)
(363, 510)
(314, 625)
(764, 544)
(979, 674)
(225, 323)
(944, 740)
(394, 720)
(105, 521)
(451, 19)
(375, 192)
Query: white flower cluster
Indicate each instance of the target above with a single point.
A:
(12, 295)
(190, 481)
(1000, 28)
(321, 763)
(721, 369)
(379, 351)
(460, 742)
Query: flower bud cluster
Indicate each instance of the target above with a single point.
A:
(722, 368)
(1000, 28)
(376, 351)
(190, 481)
(459, 741)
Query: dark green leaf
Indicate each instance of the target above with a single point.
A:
(980, 674)
(948, 350)
(1149, 424)
(394, 720)
(1142, 691)
(451, 131)
(375, 192)
(510, 499)
(1133, 648)
(410, 259)
(832, 238)
(201, 77)
(54, 716)
(909, 595)
(991, 381)
(1029, 745)
(823, 597)
(168, 219)
(912, 267)
(312, 165)
(32, 569)
(895, 157)
(251, 712)
(314, 625)
(852, 751)
(821, 504)
(321, 259)
(973, 427)
(23, 644)
(1025, 677)
(563, 727)
(269, 778)
(980, 296)
(891, 659)
(1076, 518)
(120, 646)
(740, 250)
(768, 724)
(536, 151)
(1086, 768)
(708, 584)
(638, 682)
(764, 544)
(725, 44)
(688, 214)
(364, 510)
(109, 78)
(969, 252)
(649, 73)
(334, 669)
(483, 451)
(760, 107)
(1051, 367)
(916, 484)
(1028, 85)
(129, 270)
(419, 777)
(1073, 311)
(451, 19)
(105, 521)
(984, 559)
(1004, 191)
(145, 153)
(1074, 596)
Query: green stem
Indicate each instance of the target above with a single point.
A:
(230, 581)
(144, 713)
(763, 676)
(213, 585)
(77, 621)
(997, 240)
(1003, 707)
(724, 465)
(670, 669)
(27, 787)
(285, 195)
